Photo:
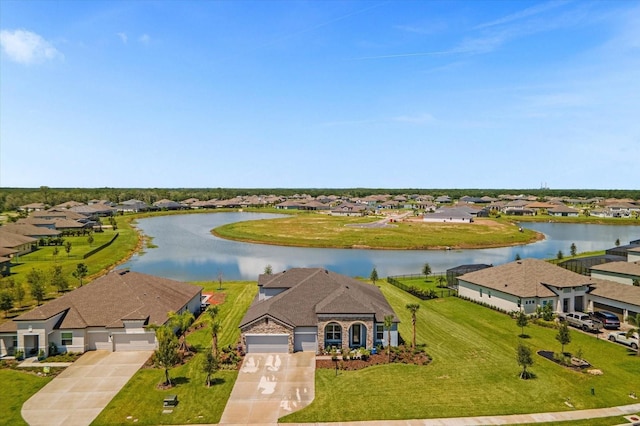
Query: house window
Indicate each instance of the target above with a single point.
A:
(14, 343)
(66, 338)
(379, 332)
(333, 332)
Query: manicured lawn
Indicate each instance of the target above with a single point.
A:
(474, 371)
(18, 387)
(320, 230)
(97, 264)
(197, 404)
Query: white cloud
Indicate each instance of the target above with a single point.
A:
(26, 47)
(123, 37)
(525, 13)
(144, 39)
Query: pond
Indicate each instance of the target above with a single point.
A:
(187, 251)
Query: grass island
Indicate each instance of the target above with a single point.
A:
(324, 231)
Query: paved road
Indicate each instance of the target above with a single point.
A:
(78, 394)
(270, 386)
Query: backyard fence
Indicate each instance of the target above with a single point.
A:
(64, 256)
(424, 294)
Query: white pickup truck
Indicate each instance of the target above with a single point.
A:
(580, 320)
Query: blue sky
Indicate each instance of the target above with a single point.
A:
(322, 94)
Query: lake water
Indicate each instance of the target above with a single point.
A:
(187, 251)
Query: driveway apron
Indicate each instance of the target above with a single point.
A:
(270, 386)
(78, 394)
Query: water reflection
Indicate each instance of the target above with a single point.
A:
(187, 251)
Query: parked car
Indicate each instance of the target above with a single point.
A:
(581, 320)
(621, 337)
(608, 319)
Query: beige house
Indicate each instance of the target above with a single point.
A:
(111, 313)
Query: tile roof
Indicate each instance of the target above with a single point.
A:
(116, 296)
(526, 278)
(314, 291)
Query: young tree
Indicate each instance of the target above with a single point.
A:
(90, 239)
(166, 356)
(268, 270)
(182, 322)
(56, 251)
(426, 270)
(388, 323)
(559, 256)
(573, 249)
(37, 282)
(563, 336)
(617, 242)
(58, 280)
(6, 302)
(634, 320)
(18, 293)
(441, 281)
(374, 275)
(212, 318)
(524, 358)
(522, 321)
(67, 247)
(517, 257)
(210, 366)
(80, 272)
(413, 308)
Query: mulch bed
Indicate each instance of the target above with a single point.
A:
(398, 357)
(550, 356)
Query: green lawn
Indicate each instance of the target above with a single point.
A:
(473, 372)
(19, 386)
(321, 230)
(197, 403)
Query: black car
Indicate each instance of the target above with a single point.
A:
(608, 319)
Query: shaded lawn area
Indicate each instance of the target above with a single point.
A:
(19, 386)
(197, 404)
(474, 370)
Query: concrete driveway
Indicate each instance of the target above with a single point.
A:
(270, 386)
(78, 394)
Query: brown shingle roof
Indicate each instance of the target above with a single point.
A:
(626, 268)
(616, 291)
(10, 240)
(116, 296)
(313, 291)
(526, 278)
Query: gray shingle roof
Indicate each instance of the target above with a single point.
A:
(314, 291)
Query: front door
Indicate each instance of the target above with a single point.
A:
(355, 336)
(565, 305)
(579, 304)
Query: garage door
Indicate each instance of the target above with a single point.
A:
(602, 307)
(134, 342)
(267, 343)
(306, 342)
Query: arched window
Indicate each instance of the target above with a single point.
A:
(333, 332)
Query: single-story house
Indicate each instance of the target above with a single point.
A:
(309, 309)
(621, 272)
(18, 244)
(110, 313)
(452, 215)
(526, 284)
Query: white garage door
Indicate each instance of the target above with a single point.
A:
(306, 342)
(134, 342)
(267, 343)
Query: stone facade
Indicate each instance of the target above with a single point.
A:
(346, 322)
(267, 326)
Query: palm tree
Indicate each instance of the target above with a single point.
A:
(212, 318)
(634, 320)
(388, 323)
(413, 308)
(182, 322)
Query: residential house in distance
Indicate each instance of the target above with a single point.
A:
(449, 215)
(309, 309)
(110, 313)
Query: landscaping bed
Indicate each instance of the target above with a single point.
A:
(401, 354)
